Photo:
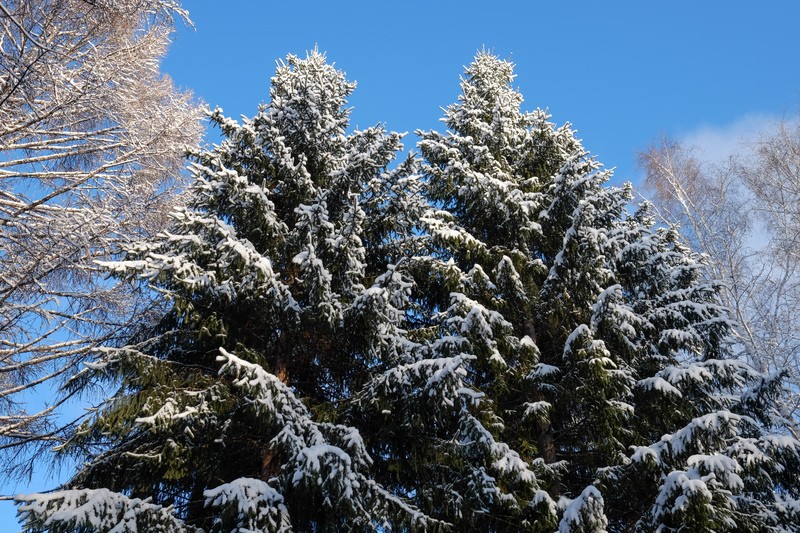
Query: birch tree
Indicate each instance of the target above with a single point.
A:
(745, 214)
(92, 139)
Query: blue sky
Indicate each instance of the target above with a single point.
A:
(622, 73)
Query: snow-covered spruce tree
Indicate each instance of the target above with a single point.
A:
(284, 293)
(578, 348)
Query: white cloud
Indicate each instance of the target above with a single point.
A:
(716, 143)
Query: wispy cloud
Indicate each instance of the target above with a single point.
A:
(716, 144)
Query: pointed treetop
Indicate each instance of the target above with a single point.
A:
(313, 86)
(489, 107)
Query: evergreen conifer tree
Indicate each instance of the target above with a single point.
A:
(281, 285)
(590, 352)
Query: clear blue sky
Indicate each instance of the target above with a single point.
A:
(621, 72)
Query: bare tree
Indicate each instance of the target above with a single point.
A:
(745, 214)
(92, 139)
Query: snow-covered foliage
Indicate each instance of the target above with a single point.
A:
(498, 346)
(229, 408)
(96, 510)
(586, 335)
(248, 505)
(584, 514)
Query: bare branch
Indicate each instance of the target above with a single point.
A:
(745, 214)
(92, 138)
